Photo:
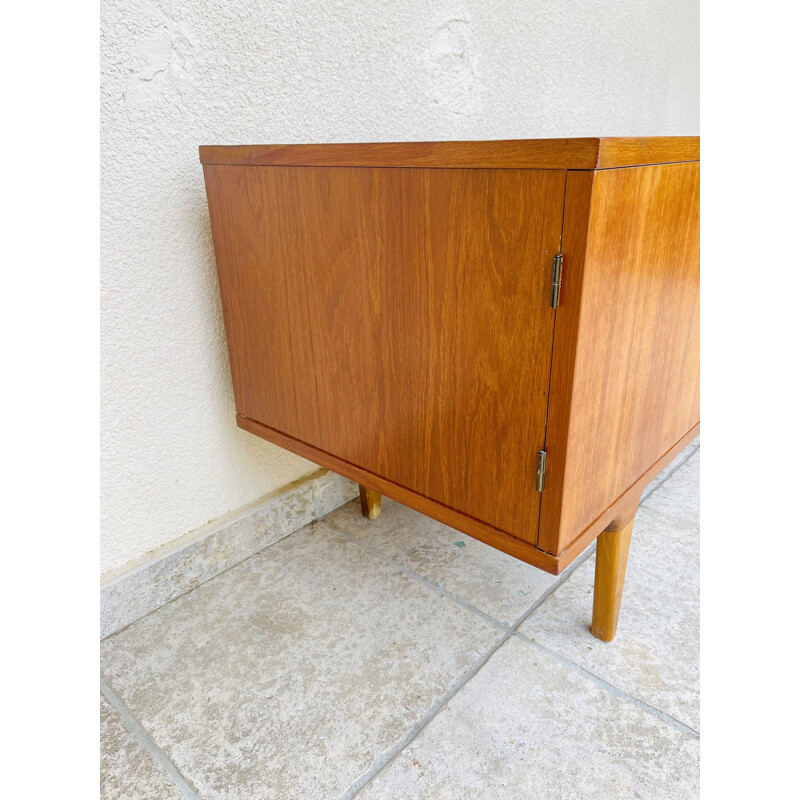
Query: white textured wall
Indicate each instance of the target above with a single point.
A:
(179, 74)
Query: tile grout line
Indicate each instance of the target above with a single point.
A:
(317, 518)
(442, 592)
(550, 590)
(389, 755)
(135, 728)
(143, 738)
(509, 631)
(333, 526)
(669, 474)
(408, 572)
(313, 521)
(199, 585)
(411, 734)
(623, 695)
(609, 687)
(203, 583)
(652, 710)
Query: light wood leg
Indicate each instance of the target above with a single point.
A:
(609, 578)
(370, 502)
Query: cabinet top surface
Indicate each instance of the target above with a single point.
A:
(587, 153)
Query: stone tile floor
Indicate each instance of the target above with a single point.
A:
(402, 659)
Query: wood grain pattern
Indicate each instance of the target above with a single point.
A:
(524, 551)
(625, 383)
(628, 151)
(387, 317)
(370, 502)
(611, 562)
(511, 154)
(453, 517)
(397, 319)
(621, 509)
(587, 153)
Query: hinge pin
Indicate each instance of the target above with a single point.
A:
(541, 464)
(555, 292)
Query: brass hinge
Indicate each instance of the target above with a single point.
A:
(541, 466)
(555, 291)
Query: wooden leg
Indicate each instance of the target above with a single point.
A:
(370, 502)
(609, 577)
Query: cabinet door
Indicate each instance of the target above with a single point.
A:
(397, 319)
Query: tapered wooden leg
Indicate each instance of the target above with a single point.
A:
(370, 502)
(609, 578)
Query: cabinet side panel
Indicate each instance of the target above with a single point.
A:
(635, 388)
(398, 320)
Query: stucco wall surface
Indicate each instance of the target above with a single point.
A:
(179, 74)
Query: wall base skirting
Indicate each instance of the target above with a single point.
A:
(149, 586)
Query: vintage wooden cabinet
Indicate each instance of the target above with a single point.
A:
(502, 335)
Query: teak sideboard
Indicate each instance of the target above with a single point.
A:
(502, 335)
